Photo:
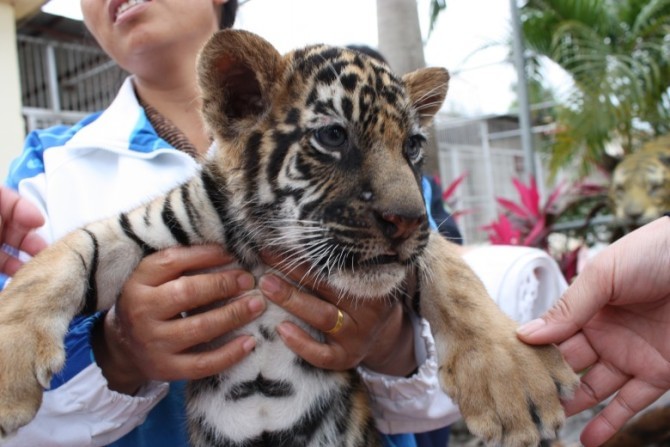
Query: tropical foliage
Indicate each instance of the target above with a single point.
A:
(525, 223)
(436, 7)
(617, 53)
(532, 221)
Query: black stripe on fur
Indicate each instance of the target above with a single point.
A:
(263, 386)
(91, 298)
(172, 223)
(130, 234)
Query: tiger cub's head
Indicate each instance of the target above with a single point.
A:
(640, 187)
(322, 151)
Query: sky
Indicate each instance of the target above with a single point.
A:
(480, 80)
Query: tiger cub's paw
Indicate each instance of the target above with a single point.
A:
(29, 355)
(508, 392)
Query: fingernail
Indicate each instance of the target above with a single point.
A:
(249, 344)
(246, 281)
(256, 305)
(284, 329)
(531, 326)
(270, 284)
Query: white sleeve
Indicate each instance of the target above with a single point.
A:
(85, 412)
(414, 404)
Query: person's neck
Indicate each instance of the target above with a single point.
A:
(176, 97)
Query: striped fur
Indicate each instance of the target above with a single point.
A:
(640, 187)
(319, 159)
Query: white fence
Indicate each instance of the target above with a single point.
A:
(61, 81)
(489, 150)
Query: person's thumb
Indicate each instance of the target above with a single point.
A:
(575, 308)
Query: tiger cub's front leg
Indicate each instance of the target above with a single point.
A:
(508, 392)
(35, 311)
(82, 272)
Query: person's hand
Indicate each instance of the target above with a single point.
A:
(613, 323)
(18, 220)
(144, 337)
(375, 333)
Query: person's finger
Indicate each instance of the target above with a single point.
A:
(578, 352)
(171, 263)
(320, 314)
(633, 398)
(32, 243)
(583, 299)
(191, 292)
(9, 265)
(599, 383)
(19, 218)
(197, 365)
(324, 356)
(17, 209)
(302, 275)
(204, 327)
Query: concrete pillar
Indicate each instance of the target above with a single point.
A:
(12, 130)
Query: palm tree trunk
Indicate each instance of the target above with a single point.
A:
(399, 36)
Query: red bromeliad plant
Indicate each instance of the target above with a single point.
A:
(530, 222)
(448, 198)
(526, 223)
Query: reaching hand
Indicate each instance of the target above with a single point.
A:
(614, 324)
(18, 219)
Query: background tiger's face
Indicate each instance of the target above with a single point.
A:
(325, 147)
(640, 188)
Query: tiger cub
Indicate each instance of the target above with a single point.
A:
(640, 186)
(319, 157)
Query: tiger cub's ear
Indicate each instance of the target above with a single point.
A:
(236, 70)
(427, 88)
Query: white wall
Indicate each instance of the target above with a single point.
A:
(11, 124)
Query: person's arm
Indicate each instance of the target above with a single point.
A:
(613, 323)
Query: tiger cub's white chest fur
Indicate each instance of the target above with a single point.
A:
(271, 391)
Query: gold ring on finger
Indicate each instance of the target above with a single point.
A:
(338, 324)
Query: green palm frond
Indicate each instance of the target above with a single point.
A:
(618, 56)
(436, 7)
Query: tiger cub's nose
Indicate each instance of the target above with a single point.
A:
(399, 227)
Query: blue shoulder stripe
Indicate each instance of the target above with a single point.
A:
(31, 161)
(144, 137)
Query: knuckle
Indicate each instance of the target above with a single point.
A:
(194, 327)
(325, 358)
(236, 313)
(202, 366)
(182, 288)
(225, 283)
(166, 258)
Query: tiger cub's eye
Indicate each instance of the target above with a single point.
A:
(414, 147)
(332, 137)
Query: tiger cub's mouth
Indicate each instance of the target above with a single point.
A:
(380, 260)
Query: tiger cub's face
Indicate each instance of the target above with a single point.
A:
(640, 187)
(323, 150)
